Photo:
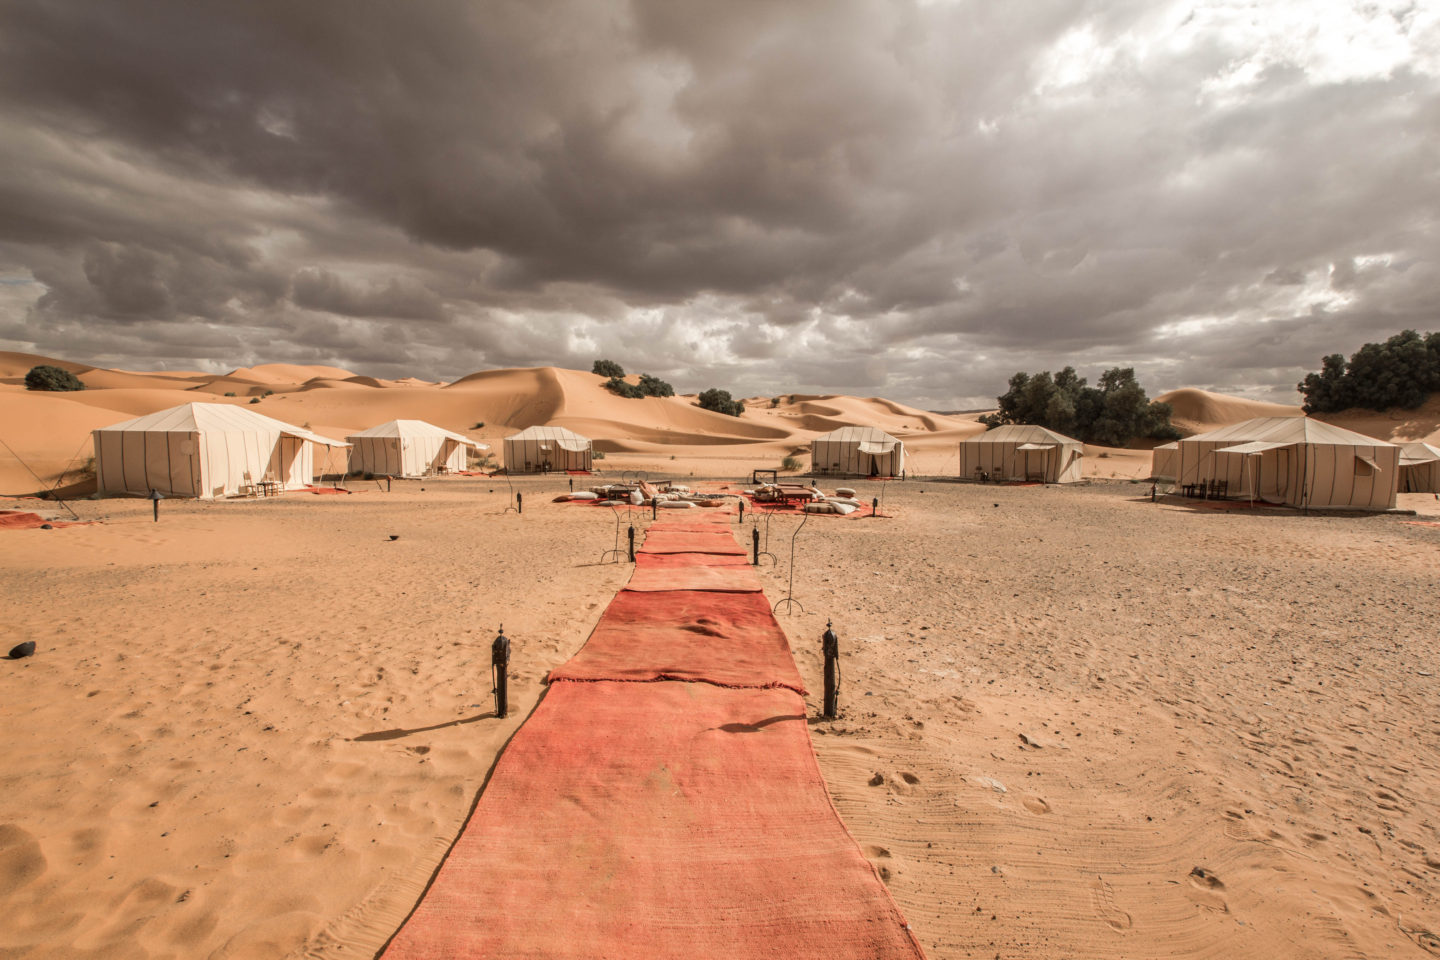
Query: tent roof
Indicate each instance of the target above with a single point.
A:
(218, 417)
(562, 438)
(1253, 447)
(1413, 454)
(879, 441)
(1287, 430)
(1022, 433)
(414, 428)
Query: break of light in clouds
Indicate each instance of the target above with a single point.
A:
(907, 200)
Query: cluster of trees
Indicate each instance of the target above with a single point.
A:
(647, 387)
(1111, 414)
(47, 377)
(721, 402)
(712, 399)
(1401, 372)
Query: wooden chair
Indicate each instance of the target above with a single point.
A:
(248, 487)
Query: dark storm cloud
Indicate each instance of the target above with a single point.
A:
(902, 199)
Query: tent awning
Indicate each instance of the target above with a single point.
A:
(302, 434)
(1036, 446)
(1253, 448)
(574, 446)
(875, 447)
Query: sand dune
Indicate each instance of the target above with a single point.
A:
(1198, 411)
(288, 373)
(651, 433)
(1396, 425)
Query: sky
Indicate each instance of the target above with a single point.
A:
(911, 200)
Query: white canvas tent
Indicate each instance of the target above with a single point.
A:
(204, 450)
(857, 451)
(1165, 460)
(1419, 468)
(409, 448)
(1295, 461)
(1022, 451)
(542, 449)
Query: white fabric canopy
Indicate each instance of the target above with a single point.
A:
(1036, 446)
(1253, 448)
(870, 446)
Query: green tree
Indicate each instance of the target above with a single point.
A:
(621, 388)
(1112, 413)
(47, 377)
(608, 368)
(721, 402)
(655, 387)
(1401, 372)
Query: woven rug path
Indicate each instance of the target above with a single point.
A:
(684, 816)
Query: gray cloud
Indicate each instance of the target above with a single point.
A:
(911, 200)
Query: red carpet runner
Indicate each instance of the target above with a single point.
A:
(681, 817)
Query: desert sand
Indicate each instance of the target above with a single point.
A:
(1074, 722)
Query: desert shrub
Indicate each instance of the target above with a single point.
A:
(47, 377)
(655, 387)
(230, 394)
(620, 388)
(269, 393)
(721, 402)
(790, 464)
(597, 455)
(1111, 414)
(254, 399)
(1401, 372)
(479, 426)
(608, 368)
(774, 402)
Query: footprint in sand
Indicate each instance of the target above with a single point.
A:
(21, 859)
(1207, 890)
(1035, 805)
(1103, 896)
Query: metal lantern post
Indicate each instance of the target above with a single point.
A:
(499, 664)
(830, 648)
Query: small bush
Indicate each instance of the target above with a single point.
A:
(774, 402)
(789, 464)
(597, 455)
(721, 402)
(622, 389)
(608, 368)
(230, 394)
(46, 377)
(269, 393)
(254, 399)
(479, 426)
(655, 387)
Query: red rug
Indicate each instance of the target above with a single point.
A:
(662, 820)
(690, 571)
(666, 821)
(730, 639)
(24, 520)
(670, 540)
